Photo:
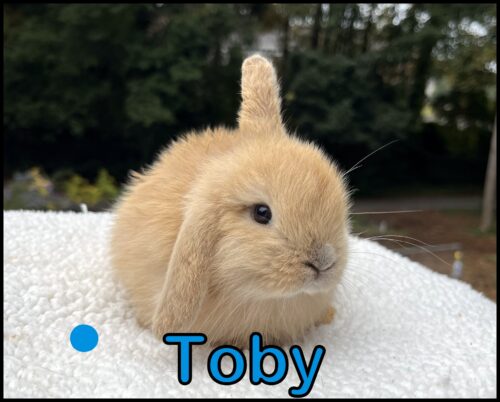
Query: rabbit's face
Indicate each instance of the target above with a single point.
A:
(283, 220)
(277, 206)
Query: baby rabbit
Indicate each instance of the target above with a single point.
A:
(235, 231)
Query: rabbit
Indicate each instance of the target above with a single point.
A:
(234, 231)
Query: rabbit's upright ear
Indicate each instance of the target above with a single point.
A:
(261, 103)
(186, 281)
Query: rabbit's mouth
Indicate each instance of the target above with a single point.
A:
(323, 280)
(319, 271)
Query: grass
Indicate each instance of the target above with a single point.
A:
(490, 232)
(491, 258)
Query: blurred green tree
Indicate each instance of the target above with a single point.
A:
(108, 85)
(365, 83)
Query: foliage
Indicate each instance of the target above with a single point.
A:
(112, 83)
(108, 85)
(67, 191)
(79, 190)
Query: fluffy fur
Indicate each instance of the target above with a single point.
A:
(186, 247)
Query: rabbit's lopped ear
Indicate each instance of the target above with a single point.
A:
(186, 281)
(261, 103)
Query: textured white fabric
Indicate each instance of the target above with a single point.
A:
(401, 330)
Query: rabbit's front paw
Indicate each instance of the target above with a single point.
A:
(328, 316)
(159, 328)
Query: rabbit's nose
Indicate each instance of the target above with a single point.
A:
(323, 258)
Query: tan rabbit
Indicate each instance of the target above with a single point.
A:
(235, 231)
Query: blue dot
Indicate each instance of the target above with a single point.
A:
(84, 338)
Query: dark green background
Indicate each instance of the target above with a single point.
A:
(107, 86)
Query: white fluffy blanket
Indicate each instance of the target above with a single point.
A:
(401, 330)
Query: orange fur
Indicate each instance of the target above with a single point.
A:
(185, 245)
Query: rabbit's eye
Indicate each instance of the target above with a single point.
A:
(262, 213)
